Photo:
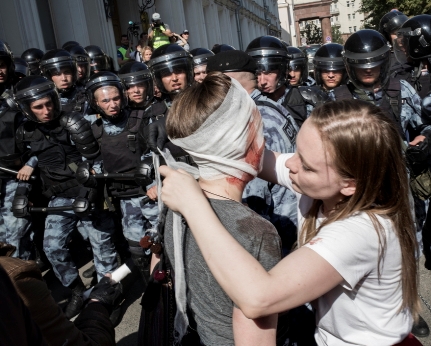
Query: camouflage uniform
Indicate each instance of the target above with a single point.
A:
(14, 231)
(98, 228)
(274, 202)
(137, 216)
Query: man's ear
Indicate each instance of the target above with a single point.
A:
(349, 187)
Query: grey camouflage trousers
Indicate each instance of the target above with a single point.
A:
(14, 231)
(98, 228)
(135, 216)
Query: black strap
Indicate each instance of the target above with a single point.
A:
(133, 125)
(54, 190)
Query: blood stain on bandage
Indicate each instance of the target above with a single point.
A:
(255, 145)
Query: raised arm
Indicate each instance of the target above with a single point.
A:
(299, 278)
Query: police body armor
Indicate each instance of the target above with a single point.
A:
(122, 152)
(297, 99)
(74, 101)
(391, 102)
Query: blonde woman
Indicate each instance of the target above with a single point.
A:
(356, 256)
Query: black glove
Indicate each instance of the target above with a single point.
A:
(417, 157)
(106, 293)
(84, 176)
(155, 135)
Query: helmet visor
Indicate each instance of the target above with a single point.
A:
(171, 77)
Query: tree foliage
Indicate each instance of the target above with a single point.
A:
(336, 35)
(375, 10)
(312, 33)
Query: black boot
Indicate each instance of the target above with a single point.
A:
(76, 302)
(420, 328)
(88, 274)
(140, 260)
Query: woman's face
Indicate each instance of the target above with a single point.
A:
(147, 55)
(311, 168)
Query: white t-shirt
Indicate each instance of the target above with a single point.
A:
(364, 309)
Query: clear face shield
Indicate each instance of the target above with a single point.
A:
(271, 64)
(369, 74)
(83, 67)
(26, 98)
(59, 68)
(171, 77)
(298, 65)
(401, 45)
(140, 89)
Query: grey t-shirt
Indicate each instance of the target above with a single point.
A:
(209, 304)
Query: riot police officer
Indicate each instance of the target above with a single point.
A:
(300, 95)
(15, 231)
(412, 47)
(172, 69)
(82, 63)
(98, 59)
(271, 58)
(60, 141)
(116, 130)
(367, 60)
(200, 59)
(60, 66)
(218, 48)
(7, 68)
(33, 56)
(329, 70)
(388, 26)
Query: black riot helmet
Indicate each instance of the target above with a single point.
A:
(7, 55)
(328, 57)
(270, 54)
(99, 60)
(171, 59)
(390, 23)
(201, 56)
(56, 61)
(104, 79)
(33, 88)
(133, 73)
(21, 67)
(82, 61)
(297, 60)
(367, 49)
(69, 44)
(414, 39)
(217, 48)
(33, 57)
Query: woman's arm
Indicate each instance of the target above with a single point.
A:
(299, 278)
(248, 332)
(268, 172)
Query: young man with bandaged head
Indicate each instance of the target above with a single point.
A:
(274, 202)
(220, 127)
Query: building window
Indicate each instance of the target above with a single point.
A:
(336, 18)
(353, 15)
(348, 16)
(348, 3)
(353, 4)
(354, 28)
(350, 29)
(332, 19)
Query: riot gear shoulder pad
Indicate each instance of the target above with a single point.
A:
(313, 95)
(81, 134)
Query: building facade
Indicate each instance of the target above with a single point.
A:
(48, 24)
(346, 17)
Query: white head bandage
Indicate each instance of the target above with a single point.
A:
(230, 142)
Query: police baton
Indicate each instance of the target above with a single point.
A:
(13, 172)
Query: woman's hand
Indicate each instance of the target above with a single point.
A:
(180, 190)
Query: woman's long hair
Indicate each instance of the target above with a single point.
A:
(364, 145)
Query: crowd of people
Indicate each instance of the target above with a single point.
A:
(293, 207)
